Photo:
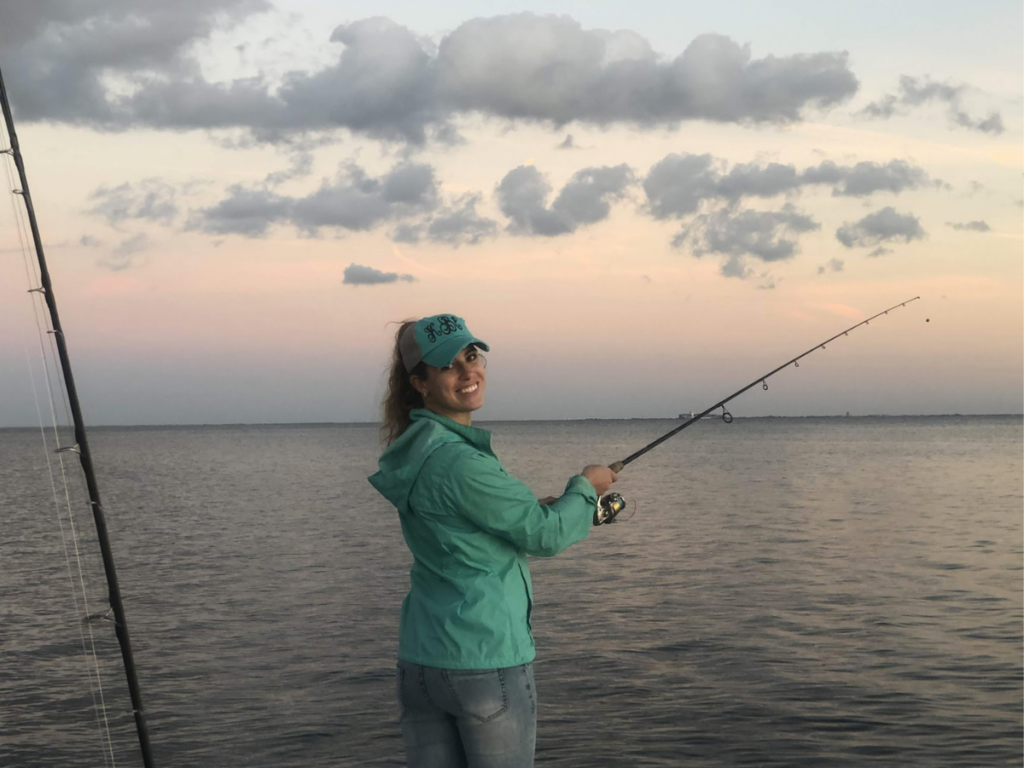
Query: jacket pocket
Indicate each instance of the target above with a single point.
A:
(479, 693)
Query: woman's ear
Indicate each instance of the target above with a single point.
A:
(419, 385)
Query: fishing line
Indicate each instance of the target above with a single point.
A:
(610, 505)
(89, 652)
(95, 688)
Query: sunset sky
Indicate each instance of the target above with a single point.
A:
(641, 206)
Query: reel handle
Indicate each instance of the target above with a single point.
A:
(609, 505)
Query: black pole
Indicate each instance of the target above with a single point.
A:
(82, 445)
(617, 466)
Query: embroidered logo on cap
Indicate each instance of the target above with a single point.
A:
(449, 324)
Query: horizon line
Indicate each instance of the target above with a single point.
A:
(515, 421)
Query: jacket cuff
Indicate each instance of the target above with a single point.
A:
(579, 484)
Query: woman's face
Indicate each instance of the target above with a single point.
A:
(457, 390)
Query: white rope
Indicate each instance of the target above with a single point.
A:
(89, 652)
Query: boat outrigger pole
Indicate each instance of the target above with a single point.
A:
(81, 446)
(762, 380)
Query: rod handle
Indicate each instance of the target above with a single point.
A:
(616, 467)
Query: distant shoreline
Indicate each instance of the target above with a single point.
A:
(374, 424)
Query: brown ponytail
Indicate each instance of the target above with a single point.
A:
(400, 397)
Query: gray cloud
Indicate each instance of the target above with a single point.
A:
(970, 226)
(90, 242)
(866, 178)
(567, 143)
(123, 256)
(459, 223)
(301, 165)
(914, 92)
(522, 197)
(678, 183)
(353, 200)
(357, 274)
(358, 202)
(882, 226)
(387, 82)
(148, 200)
(764, 235)
(549, 69)
(585, 199)
(248, 212)
(58, 54)
(833, 265)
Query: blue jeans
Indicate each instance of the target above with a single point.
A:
(468, 718)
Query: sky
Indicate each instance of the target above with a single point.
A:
(640, 206)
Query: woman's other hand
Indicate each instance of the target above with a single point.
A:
(600, 477)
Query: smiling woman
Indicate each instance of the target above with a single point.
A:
(465, 652)
(457, 389)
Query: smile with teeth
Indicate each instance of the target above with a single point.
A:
(469, 390)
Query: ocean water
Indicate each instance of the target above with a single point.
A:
(788, 592)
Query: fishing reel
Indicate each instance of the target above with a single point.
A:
(608, 508)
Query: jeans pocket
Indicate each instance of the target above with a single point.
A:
(480, 693)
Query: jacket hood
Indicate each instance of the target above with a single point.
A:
(401, 462)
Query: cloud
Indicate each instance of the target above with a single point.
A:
(358, 202)
(148, 200)
(357, 274)
(970, 226)
(455, 224)
(123, 256)
(353, 200)
(90, 242)
(867, 178)
(123, 64)
(60, 55)
(248, 212)
(882, 226)
(914, 92)
(549, 69)
(301, 166)
(833, 265)
(585, 199)
(522, 197)
(678, 184)
(764, 235)
(567, 143)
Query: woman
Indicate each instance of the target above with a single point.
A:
(465, 673)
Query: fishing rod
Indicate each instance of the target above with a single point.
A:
(81, 446)
(611, 504)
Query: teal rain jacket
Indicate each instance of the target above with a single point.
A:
(470, 526)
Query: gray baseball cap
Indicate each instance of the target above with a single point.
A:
(436, 341)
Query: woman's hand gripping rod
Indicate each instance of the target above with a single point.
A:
(609, 505)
